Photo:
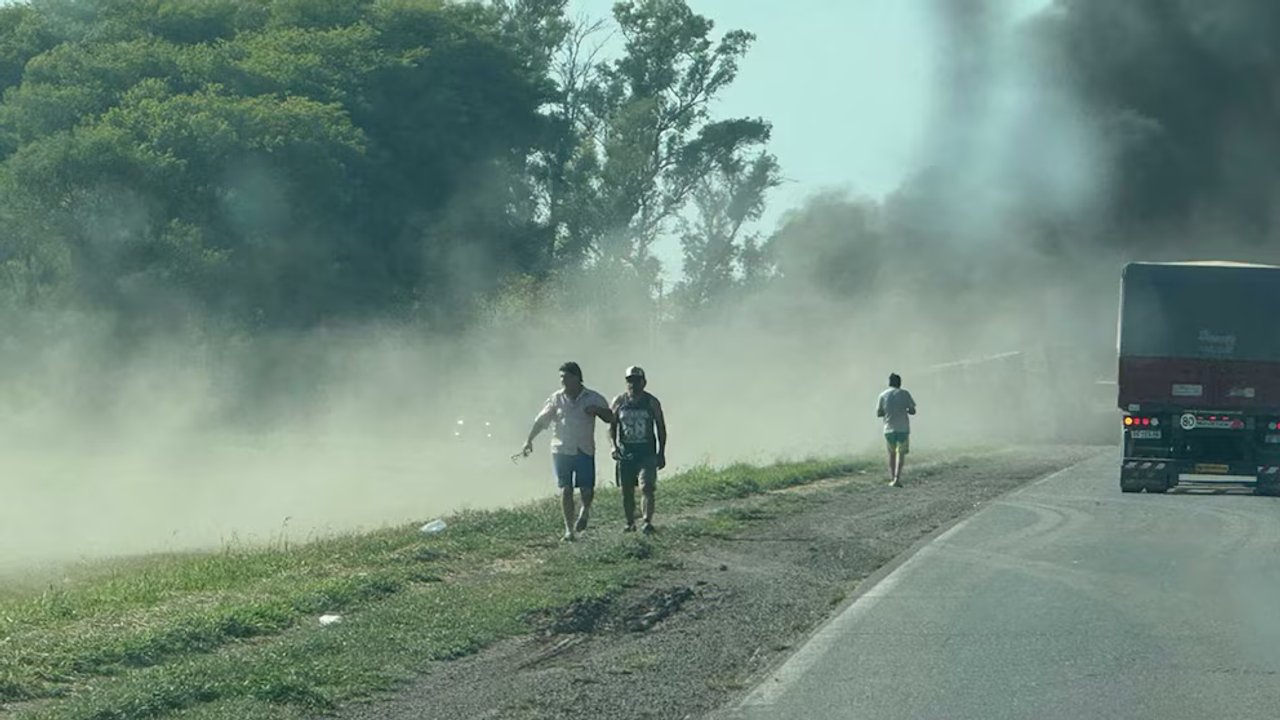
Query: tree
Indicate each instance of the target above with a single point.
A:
(630, 141)
(719, 255)
(24, 34)
(284, 167)
(565, 169)
(656, 133)
(294, 163)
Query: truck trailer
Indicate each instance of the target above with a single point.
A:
(1198, 382)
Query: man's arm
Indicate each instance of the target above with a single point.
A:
(661, 420)
(540, 423)
(613, 428)
(880, 407)
(911, 404)
(601, 410)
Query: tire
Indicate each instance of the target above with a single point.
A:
(1158, 487)
(1266, 489)
(1129, 486)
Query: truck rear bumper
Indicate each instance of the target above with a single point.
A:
(1161, 474)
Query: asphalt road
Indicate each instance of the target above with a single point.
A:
(1065, 599)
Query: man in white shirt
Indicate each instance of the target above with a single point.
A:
(896, 406)
(571, 412)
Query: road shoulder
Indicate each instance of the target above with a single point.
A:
(748, 583)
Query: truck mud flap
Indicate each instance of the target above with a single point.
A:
(1268, 480)
(1154, 476)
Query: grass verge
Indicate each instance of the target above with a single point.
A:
(234, 634)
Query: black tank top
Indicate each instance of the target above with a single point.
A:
(637, 426)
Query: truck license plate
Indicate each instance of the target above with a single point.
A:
(1145, 434)
(1212, 469)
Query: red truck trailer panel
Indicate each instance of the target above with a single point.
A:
(1199, 335)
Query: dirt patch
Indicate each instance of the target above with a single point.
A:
(729, 608)
(581, 616)
(591, 615)
(657, 607)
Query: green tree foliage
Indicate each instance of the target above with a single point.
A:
(721, 256)
(293, 162)
(285, 163)
(657, 139)
(634, 137)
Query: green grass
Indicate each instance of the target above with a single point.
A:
(234, 634)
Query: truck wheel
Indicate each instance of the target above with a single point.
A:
(1159, 487)
(1129, 486)
(1269, 489)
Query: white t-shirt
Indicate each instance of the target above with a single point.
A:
(895, 405)
(573, 431)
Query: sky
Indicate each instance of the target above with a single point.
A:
(847, 84)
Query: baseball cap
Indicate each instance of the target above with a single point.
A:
(634, 371)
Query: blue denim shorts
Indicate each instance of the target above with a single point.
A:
(574, 471)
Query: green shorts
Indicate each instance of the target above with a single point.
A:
(899, 442)
(643, 471)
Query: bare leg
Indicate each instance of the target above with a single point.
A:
(649, 483)
(566, 503)
(902, 459)
(588, 494)
(893, 465)
(629, 503)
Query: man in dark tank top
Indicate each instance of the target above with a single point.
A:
(639, 439)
